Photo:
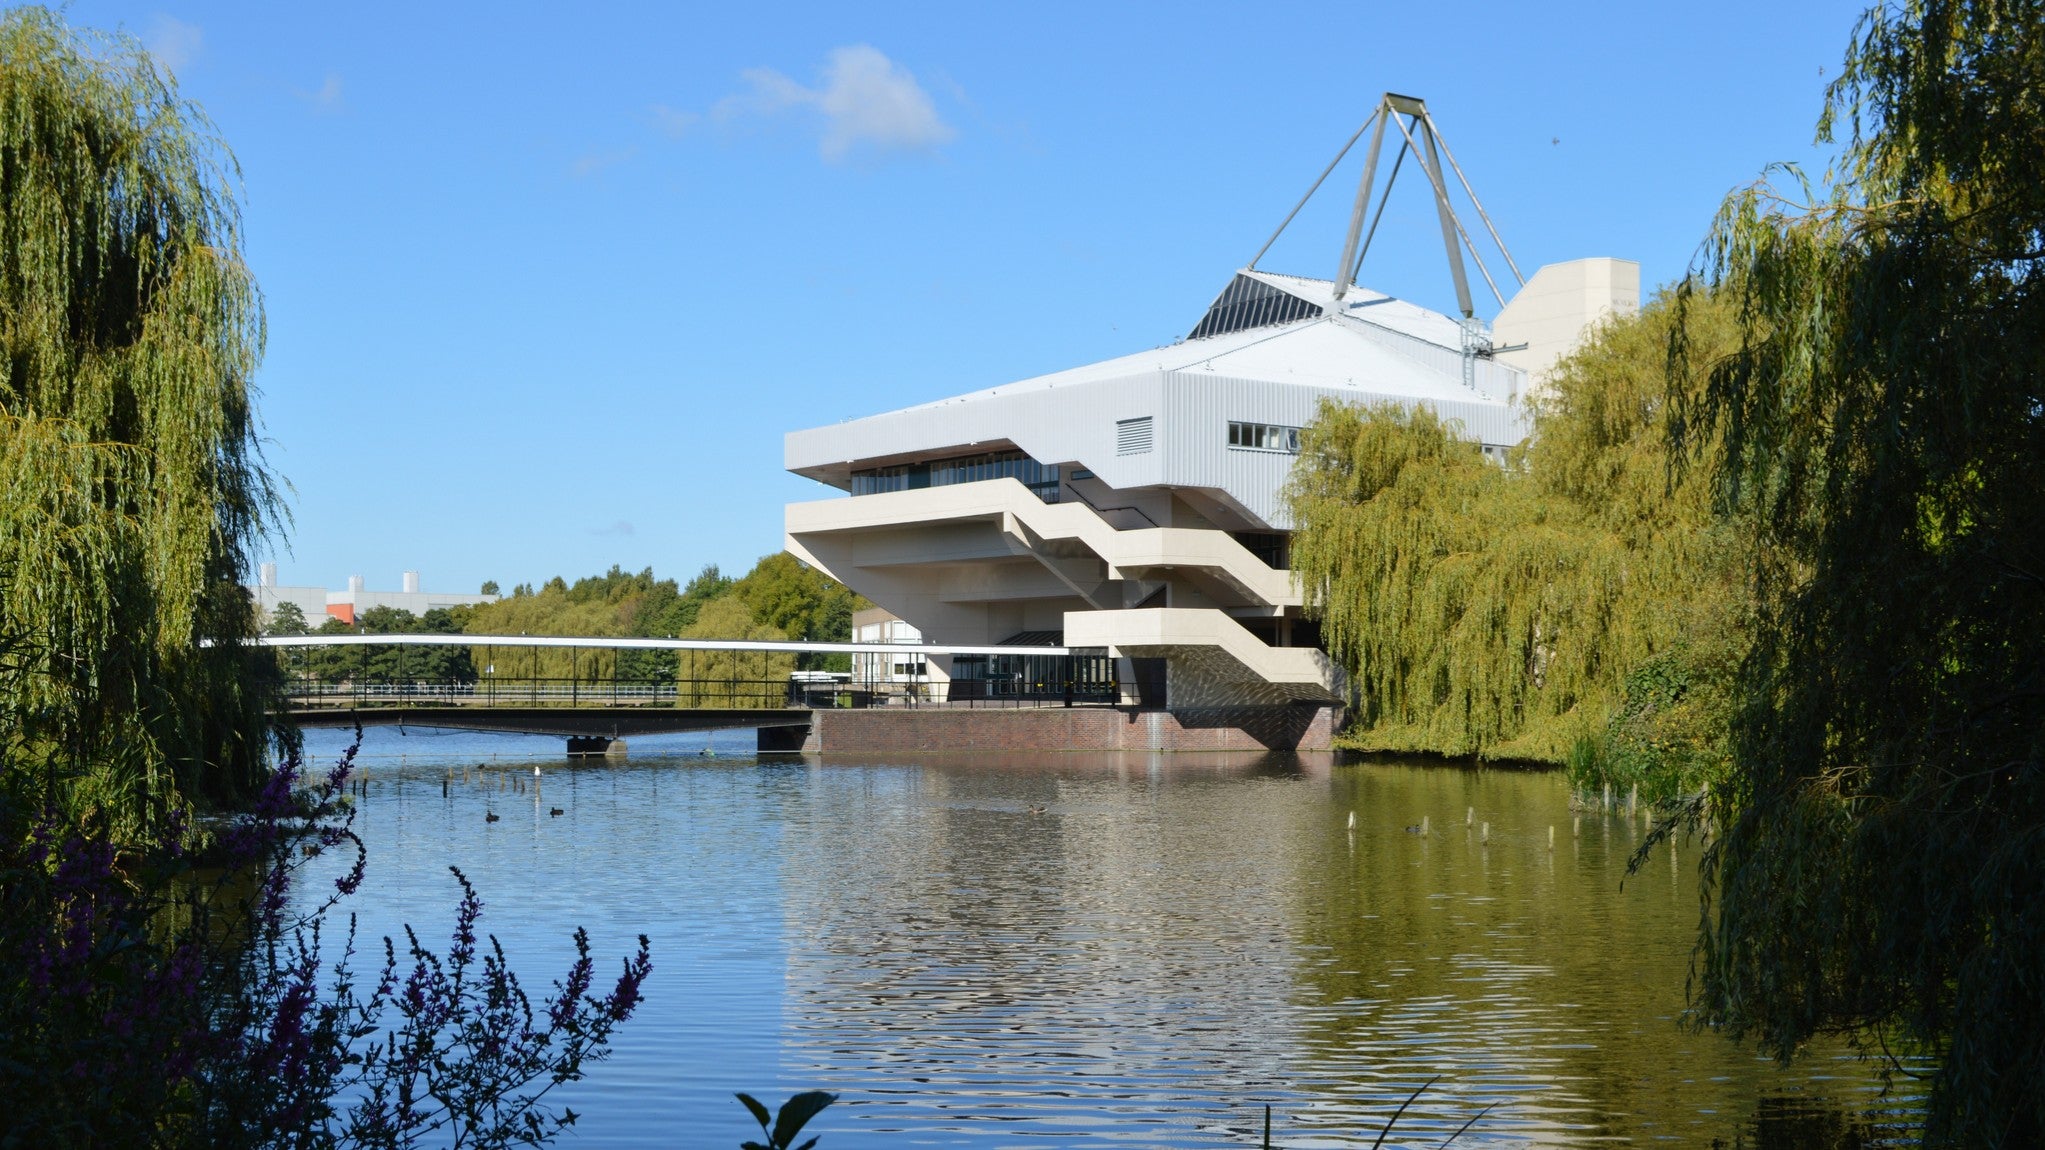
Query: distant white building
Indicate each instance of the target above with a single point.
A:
(1133, 506)
(875, 625)
(319, 604)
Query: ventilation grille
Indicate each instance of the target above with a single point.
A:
(1132, 436)
(1247, 303)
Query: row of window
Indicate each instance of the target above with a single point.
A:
(1043, 478)
(1082, 676)
(1038, 477)
(1264, 437)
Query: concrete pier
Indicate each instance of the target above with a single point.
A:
(907, 730)
(595, 745)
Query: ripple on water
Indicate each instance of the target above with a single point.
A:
(1150, 959)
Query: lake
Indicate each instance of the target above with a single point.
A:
(1138, 950)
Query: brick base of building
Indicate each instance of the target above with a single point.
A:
(910, 730)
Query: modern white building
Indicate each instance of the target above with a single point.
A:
(1133, 507)
(318, 604)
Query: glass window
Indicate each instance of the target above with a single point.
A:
(1264, 437)
(1039, 478)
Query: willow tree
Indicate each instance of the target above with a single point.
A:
(131, 484)
(738, 679)
(1882, 871)
(1498, 610)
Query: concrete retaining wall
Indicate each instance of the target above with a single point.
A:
(908, 730)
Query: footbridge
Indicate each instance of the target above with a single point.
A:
(714, 684)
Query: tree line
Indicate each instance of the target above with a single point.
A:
(780, 599)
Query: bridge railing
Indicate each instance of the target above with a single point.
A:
(304, 692)
(727, 694)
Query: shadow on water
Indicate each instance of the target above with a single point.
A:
(988, 950)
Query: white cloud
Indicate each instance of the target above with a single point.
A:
(328, 98)
(173, 42)
(674, 122)
(590, 163)
(867, 102)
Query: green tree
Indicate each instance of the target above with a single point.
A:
(1882, 866)
(798, 600)
(708, 584)
(616, 603)
(130, 330)
(803, 603)
(287, 619)
(733, 678)
(1497, 611)
(410, 664)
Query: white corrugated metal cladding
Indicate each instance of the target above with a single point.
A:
(1368, 349)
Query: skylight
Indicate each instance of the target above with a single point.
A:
(1246, 303)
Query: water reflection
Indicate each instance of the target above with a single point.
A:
(1112, 949)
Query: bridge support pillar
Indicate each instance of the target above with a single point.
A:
(595, 745)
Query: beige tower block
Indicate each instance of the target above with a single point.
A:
(1558, 307)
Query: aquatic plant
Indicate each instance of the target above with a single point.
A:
(781, 1131)
(149, 998)
(786, 1125)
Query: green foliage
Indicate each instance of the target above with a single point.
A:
(707, 585)
(287, 619)
(1883, 861)
(800, 601)
(804, 603)
(787, 1126)
(150, 1000)
(130, 475)
(779, 598)
(733, 678)
(1495, 611)
(1668, 738)
(394, 664)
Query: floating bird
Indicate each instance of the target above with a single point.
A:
(1036, 810)
(1352, 820)
(556, 812)
(490, 816)
(536, 770)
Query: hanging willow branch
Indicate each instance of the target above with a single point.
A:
(1883, 863)
(133, 484)
(1495, 610)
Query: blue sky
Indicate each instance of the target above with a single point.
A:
(546, 287)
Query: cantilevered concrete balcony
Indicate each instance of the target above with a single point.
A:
(1068, 545)
(1210, 659)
